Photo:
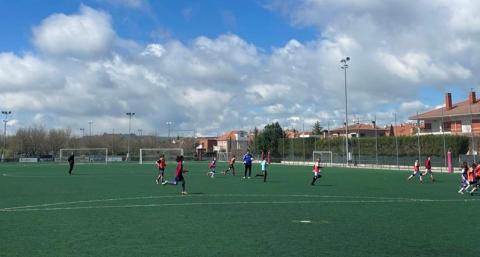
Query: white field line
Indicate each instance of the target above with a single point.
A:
(233, 203)
(205, 195)
(79, 176)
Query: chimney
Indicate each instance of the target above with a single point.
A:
(471, 97)
(448, 101)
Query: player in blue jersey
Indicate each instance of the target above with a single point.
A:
(247, 161)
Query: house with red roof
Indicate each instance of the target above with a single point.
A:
(360, 130)
(232, 141)
(453, 118)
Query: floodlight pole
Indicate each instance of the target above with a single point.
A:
(83, 132)
(169, 124)
(471, 130)
(418, 138)
(129, 114)
(90, 128)
(444, 143)
(344, 66)
(376, 139)
(6, 113)
(396, 139)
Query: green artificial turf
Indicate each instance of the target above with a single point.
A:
(118, 210)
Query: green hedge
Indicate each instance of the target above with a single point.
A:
(407, 145)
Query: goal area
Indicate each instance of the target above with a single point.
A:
(151, 155)
(223, 156)
(326, 157)
(85, 155)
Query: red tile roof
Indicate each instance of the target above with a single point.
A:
(407, 129)
(358, 127)
(228, 136)
(458, 109)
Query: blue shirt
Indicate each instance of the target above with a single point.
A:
(247, 159)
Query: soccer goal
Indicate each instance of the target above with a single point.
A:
(85, 155)
(326, 157)
(151, 155)
(223, 156)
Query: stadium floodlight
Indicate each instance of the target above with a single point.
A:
(129, 114)
(344, 66)
(90, 128)
(169, 123)
(83, 131)
(6, 113)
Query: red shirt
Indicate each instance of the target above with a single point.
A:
(428, 164)
(179, 170)
(316, 167)
(232, 161)
(471, 175)
(161, 164)
(416, 167)
(477, 171)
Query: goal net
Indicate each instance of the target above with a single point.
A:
(223, 156)
(326, 158)
(151, 155)
(85, 155)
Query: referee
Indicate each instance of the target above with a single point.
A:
(71, 162)
(247, 161)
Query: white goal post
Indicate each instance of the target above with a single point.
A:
(223, 156)
(326, 157)
(85, 155)
(150, 155)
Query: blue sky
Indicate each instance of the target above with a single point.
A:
(220, 65)
(160, 20)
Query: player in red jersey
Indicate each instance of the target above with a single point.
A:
(463, 178)
(231, 166)
(316, 171)
(161, 165)
(428, 168)
(178, 175)
(416, 171)
(475, 178)
(212, 165)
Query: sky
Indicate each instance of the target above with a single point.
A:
(213, 66)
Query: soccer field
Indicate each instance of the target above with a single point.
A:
(118, 210)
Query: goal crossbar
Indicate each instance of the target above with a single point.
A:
(102, 150)
(158, 151)
(328, 159)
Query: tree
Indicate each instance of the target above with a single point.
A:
(317, 129)
(269, 138)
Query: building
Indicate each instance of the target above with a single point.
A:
(300, 134)
(458, 118)
(360, 130)
(205, 145)
(232, 141)
(405, 129)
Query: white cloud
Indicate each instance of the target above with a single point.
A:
(154, 50)
(87, 33)
(136, 4)
(27, 72)
(83, 71)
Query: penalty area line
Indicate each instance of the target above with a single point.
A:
(231, 203)
(196, 196)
